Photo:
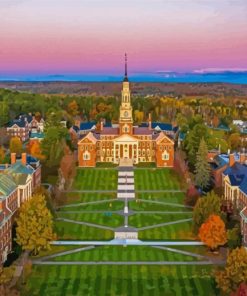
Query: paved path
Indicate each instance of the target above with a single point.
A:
(86, 212)
(181, 252)
(164, 203)
(87, 203)
(129, 242)
(90, 191)
(158, 212)
(127, 262)
(65, 253)
(86, 223)
(164, 224)
(159, 191)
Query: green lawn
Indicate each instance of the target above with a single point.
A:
(141, 220)
(129, 253)
(67, 280)
(112, 220)
(180, 231)
(78, 197)
(170, 197)
(139, 205)
(156, 179)
(95, 179)
(104, 206)
(71, 231)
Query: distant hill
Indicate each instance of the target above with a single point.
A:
(137, 88)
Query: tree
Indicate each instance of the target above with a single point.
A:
(234, 237)
(34, 230)
(213, 232)
(202, 167)
(192, 196)
(4, 113)
(35, 150)
(2, 154)
(206, 206)
(235, 271)
(234, 141)
(241, 290)
(15, 145)
(73, 108)
(68, 166)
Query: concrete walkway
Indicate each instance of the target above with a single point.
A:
(85, 223)
(181, 252)
(164, 224)
(127, 262)
(164, 203)
(87, 203)
(128, 242)
(65, 253)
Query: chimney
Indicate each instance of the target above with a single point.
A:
(24, 158)
(13, 158)
(242, 158)
(149, 121)
(231, 159)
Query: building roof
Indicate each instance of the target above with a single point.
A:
(87, 125)
(162, 126)
(142, 131)
(236, 169)
(75, 128)
(236, 180)
(7, 185)
(110, 131)
(36, 135)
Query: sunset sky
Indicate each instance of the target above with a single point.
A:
(90, 37)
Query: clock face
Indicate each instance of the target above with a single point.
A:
(126, 114)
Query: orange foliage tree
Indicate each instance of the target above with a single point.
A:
(213, 232)
(35, 150)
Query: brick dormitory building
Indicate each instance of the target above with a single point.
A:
(137, 143)
(17, 183)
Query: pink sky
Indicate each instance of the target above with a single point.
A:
(72, 36)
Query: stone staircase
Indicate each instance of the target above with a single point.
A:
(126, 186)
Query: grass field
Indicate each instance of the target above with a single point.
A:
(78, 197)
(156, 179)
(181, 231)
(104, 206)
(123, 280)
(95, 179)
(121, 253)
(112, 220)
(141, 220)
(67, 280)
(171, 197)
(71, 231)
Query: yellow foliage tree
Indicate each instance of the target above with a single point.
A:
(34, 230)
(73, 108)
(2, 154)
(15, 145)
(235, 271)
(35, 150)
(213, 232)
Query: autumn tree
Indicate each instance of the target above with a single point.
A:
(73, 108)
(192, 196)
(68, 166)
(2, 154)
(206, 206)
(15, 145)
(202, 167)
(34, 230)
(35, 150)
(213, 232)
(234, 141)
(234, 273)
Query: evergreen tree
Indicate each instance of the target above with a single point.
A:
(202, 167)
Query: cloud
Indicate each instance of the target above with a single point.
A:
(220, 70)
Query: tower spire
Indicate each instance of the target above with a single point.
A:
(126, 72)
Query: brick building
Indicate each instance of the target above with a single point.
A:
(140, 144)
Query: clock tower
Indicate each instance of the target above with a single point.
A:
(126, 119)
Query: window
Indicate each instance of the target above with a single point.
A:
(86, 156)
(165, 155)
